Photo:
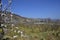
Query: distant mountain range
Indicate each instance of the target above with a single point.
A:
(19, 19)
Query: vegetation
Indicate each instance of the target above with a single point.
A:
(31, 29)
(35, 32)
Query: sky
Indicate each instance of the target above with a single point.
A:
(36, 8)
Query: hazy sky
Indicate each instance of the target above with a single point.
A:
(37, 8)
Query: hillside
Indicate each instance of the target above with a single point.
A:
(22, 28)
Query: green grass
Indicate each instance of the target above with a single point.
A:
(36, 32)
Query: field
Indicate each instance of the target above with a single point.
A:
(33, 32)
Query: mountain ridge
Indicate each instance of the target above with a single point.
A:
(21, 19)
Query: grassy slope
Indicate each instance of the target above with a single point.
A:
(37, 32)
